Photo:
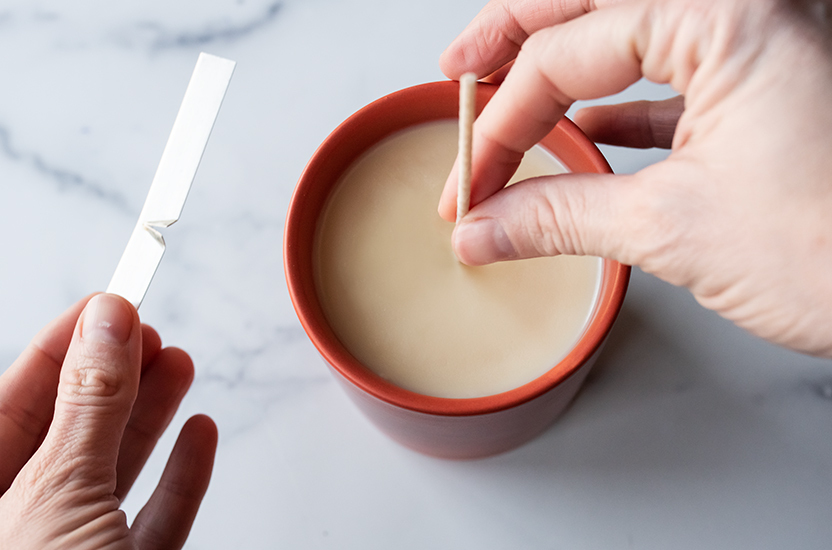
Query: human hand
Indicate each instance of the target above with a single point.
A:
(738, 212)
(80, 412)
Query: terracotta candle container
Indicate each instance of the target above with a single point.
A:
(449, 360)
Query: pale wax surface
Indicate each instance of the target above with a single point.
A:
(403, 305)
(688, 435)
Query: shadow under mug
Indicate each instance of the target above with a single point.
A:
(443, 427)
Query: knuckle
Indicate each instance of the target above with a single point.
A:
(91, 378)
(655, 231)
(662, 222)
(43, 481)
(541, 227)
(549, 222)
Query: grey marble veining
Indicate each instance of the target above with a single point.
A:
(155, 35)
(65, 180)
(688, 434)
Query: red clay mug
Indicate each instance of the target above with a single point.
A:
(443, 427)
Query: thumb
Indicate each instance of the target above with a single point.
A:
(98, 385)
(578, 214)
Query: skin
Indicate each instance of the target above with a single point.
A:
(739, 211)
(738, 214)
(80, 412)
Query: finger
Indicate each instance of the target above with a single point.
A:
(164, 383)
(151, 345)
(98, 384)
(579, 214)
(27, 393)
(548, 76)
(498, 76)
(166, 519)
(639, 124)
(497, 33)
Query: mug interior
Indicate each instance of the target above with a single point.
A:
(373, 123)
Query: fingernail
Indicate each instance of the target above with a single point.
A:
(107, 318)
(482, 241)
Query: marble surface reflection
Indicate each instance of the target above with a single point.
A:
(689, 434)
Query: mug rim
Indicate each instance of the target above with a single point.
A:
(381, 118)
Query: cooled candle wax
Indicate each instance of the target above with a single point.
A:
(397, 298)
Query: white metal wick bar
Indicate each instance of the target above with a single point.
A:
(174, 176)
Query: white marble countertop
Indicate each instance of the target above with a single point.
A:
(689, 434)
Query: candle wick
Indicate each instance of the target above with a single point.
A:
(467, 95)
